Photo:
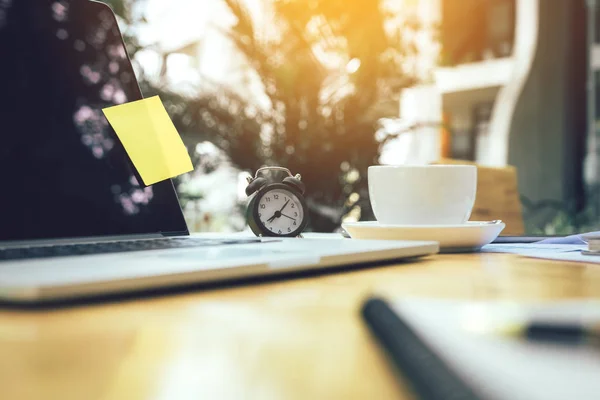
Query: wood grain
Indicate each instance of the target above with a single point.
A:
(295, 339)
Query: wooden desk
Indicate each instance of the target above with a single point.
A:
(298, 339)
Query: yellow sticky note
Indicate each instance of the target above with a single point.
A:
(150, 139)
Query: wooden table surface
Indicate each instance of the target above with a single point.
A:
(294, 339)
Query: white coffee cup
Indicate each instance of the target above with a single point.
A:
(422, 194)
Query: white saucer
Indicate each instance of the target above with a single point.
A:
(470, 236)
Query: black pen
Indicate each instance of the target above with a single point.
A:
(550, 331)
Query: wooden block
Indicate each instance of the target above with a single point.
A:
(497, 196)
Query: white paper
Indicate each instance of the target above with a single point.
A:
(505, 368)
(532, 248)
(558, 252)
(574, 256)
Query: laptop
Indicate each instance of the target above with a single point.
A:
(74, 219)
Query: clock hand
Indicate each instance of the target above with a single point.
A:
(287, 216)
(278, 214)
(284, 206)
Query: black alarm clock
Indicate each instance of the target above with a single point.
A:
(277, 209)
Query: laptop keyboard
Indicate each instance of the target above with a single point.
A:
(115, 247)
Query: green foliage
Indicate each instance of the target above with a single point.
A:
(562, 218)
(313, 115)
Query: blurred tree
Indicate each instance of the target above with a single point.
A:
(329, 70)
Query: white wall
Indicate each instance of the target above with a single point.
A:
(418, 105)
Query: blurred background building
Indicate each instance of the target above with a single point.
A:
(511, 90)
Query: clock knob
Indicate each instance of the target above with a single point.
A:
(255, 185)
(295, 182)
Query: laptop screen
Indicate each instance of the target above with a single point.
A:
(63, 171)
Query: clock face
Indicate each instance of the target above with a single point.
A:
(280, 211)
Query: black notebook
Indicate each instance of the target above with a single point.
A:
(446, 350)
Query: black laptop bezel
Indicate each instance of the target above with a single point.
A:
(167, 185)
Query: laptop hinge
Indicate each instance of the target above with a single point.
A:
(79, 240)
